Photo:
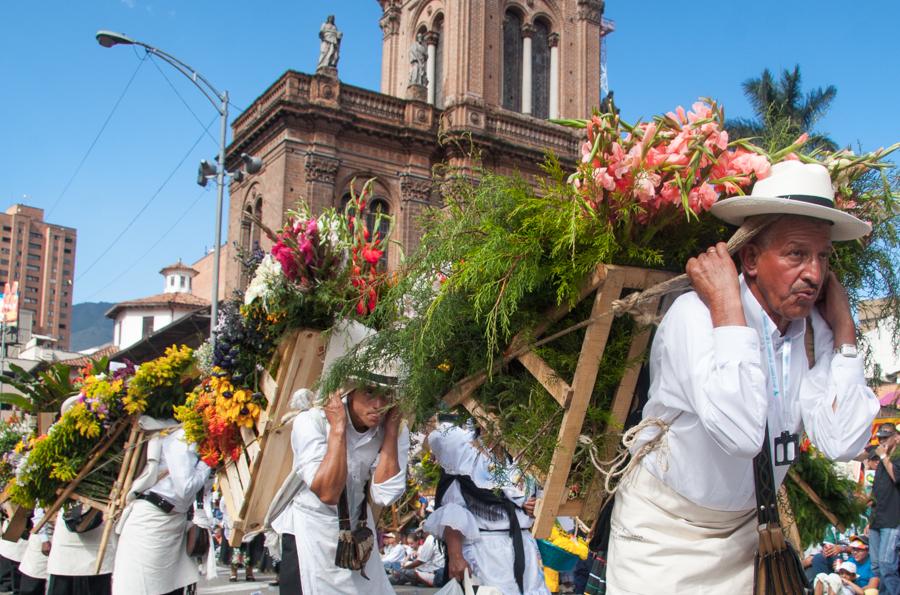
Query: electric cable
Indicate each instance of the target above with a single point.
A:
(96, 138)
(175, 90)
(159, 240)
(149, 201)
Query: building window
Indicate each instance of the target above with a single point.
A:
(439, 62)
(32, 278)
(7, 228)
(67, 251)
(147, 327)
(376, 205)
(4, 261)
(36, 235)
(29, 300)
(540, 70)
(62, 326)
(6, 240)
(68, 240)
(182, 280)
(33, 267)
(512, 61)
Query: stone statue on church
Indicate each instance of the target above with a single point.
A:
(608, 105)
(330, 50)
(418, 57)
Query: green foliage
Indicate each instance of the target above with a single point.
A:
(838, 494)
(782, 111)
(41, 391)
(491, 263)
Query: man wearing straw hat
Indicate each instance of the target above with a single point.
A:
(352, 449)
(728, 361)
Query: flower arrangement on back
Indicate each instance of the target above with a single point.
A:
(676, 165)
(321, 268)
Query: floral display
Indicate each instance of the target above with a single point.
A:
(102, 400)
(157, 384)
(321, 268)
(503, 251)
(213, 415)
(15, 433)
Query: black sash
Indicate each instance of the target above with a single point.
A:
(489, 499)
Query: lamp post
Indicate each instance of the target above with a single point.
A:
(219, 100)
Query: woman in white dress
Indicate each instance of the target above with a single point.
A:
(483, 519)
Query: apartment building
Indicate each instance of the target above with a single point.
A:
(41, 257)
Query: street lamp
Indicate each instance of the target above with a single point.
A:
(219, 100)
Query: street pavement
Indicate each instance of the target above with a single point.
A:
(261, 586)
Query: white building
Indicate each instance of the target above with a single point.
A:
(137, 319)
(877, 327)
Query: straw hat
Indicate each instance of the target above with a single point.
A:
(793, 188)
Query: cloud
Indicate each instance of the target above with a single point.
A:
(129, 3)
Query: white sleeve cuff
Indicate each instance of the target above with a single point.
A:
(387, 492)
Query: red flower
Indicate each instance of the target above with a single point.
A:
(372, 255)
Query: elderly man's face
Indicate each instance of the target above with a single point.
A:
(787, 267)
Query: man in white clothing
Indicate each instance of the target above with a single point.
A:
(350, 445)
(729, 361)
(151, 556)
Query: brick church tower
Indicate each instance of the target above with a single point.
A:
(491, 72)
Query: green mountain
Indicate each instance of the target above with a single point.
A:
(90, 326)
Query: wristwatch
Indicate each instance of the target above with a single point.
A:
(847, 350)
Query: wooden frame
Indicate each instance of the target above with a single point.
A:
(607, 284)
(249, 484)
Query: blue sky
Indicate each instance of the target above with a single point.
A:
(59, 87)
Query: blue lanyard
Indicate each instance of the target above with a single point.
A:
(780, 393)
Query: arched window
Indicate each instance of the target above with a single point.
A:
(376, 205)
(439, 62)
(512, 61)
(250, 232)
(540, 70)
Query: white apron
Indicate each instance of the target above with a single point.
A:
(75, 554)
(34, 562)
(661, 542)
(317, 535)
(493, 556)
(13, 550)
(150, 557)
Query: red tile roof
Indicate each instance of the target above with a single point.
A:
(80, 362)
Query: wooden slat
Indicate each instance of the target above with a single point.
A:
(557, 313)
(268, 457)
(619, 410)
(592, 350)
(571, 507)
(548, 377)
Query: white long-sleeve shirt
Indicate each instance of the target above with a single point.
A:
(716, 386)
(316, 524)
(184, 472)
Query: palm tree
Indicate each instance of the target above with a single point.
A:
(783, 112)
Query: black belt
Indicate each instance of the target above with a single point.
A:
(505, 531)
(157, 501)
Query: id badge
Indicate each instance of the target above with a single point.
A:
(787, 448)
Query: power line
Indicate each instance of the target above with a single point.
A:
(159, 240)
(175, 90)
(149, 201)
(96, 138)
